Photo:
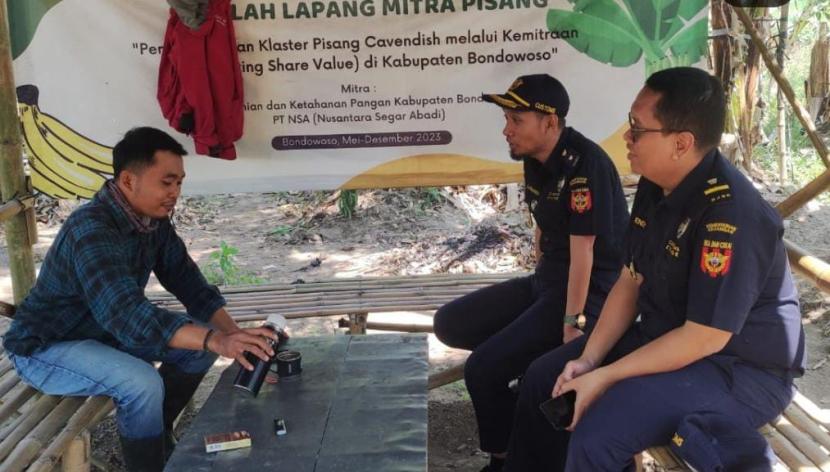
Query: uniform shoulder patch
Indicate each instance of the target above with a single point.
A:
(715, 257)
(581, 200)
(578, 181)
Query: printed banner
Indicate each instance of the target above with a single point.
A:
(340, 93)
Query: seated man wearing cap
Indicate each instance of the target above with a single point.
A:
(719, 337)
(86, 327)
(575, 196)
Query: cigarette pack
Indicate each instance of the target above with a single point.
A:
(227, 441)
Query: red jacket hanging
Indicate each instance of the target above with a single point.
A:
(200, 82)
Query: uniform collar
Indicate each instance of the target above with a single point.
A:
(684, 192)
(558, 157)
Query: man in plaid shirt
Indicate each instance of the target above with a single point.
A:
(86, 328)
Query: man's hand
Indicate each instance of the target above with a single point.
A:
(588, 388)
(572, 370)
(234, 344)
(570, 333)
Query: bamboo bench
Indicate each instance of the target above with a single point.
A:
(41, 432)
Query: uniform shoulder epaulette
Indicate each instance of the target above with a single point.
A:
(717, 190)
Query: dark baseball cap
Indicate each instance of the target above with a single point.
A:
(537, 92)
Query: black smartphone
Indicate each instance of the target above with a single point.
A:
(559, 411)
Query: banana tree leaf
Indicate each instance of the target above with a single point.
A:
(683, 16)
(24, 16)
(691, 42)
(602, 40)
(689, 8)
(607, 10)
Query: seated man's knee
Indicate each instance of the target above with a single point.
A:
(445, 325)
(142, 387)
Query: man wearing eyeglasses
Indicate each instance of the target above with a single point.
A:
(718, 341)
(575, 197)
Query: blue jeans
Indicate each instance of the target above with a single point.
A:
(88, 367)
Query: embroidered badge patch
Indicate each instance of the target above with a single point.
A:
(715, 257)
(581, 200)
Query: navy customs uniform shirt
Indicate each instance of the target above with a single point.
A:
(577, 191)
(712, 252)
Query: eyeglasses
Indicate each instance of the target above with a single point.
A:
(636, 130)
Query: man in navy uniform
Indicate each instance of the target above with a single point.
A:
(575, 196)
(719, 336)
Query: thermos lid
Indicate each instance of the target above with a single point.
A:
(277, 321)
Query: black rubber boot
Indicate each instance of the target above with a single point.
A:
(179, 386)
(143, 455)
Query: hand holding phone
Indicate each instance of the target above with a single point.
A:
(559, 411)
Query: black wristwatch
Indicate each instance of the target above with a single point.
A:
(576, 320)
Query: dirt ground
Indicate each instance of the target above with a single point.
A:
(282, 237)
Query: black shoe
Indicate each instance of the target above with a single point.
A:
(143, 455)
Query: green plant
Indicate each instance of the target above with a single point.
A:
(280, 230)
(667, 32)
(222, 269)
(429, 197)
(347, 203)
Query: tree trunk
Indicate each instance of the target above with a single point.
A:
(818, 84)
(751, 74)
(782, 110)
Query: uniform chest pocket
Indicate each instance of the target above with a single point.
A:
(675, 261)
(550, 213)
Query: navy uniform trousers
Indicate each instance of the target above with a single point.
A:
(507, 326)
(639, 412)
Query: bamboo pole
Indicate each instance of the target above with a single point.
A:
(16, 206)
(804, 423)
(447, 376)
(12, 179)
(28, 448)
(16, 398)
(807, 193)
(803, 443)
(26, 424)
(78, 455)
(811, 267)
(776, 72)
(787, 452)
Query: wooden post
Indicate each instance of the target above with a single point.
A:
(12, 180)
(357, 323)
(78, 457)
(800, 112)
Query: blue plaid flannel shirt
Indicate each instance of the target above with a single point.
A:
(91, 285)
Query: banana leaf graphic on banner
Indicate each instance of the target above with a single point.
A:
(63, 163)
(665, 34)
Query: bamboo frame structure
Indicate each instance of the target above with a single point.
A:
(776, 72)
(12, 178)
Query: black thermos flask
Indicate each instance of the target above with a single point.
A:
(251, 380)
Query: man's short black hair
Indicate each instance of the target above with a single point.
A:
(136, 150)
(691, 100)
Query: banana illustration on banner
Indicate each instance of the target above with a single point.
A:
(63, 163)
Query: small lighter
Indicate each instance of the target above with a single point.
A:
(279, 427)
